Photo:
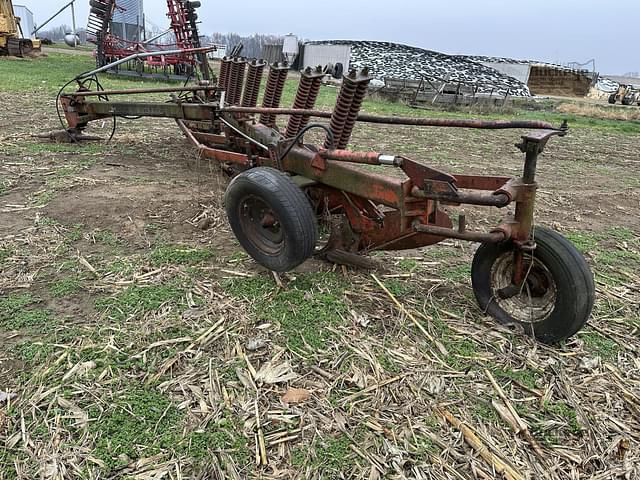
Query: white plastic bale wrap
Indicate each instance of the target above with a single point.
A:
(393, 60)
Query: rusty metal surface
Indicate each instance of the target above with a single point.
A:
(236, 80)
(306, 96)
(138, 91)
(350, 98)
(406, 121)
(499, 200)
(492, 237)
(254, 81)
(278, 73)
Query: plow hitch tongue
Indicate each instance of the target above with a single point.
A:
(283, 187)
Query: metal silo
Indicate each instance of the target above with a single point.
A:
(128, 20)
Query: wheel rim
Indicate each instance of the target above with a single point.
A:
(535, 300)
(261, 225)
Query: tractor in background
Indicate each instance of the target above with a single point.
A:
(12, 41)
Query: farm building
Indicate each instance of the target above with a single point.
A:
(326, 54)
(543, 78)
(128, 21)
(26, 20)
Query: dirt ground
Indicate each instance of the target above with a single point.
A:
(140, 345)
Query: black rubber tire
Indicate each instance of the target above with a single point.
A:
(574, 285)
(291, 209)
(612, 99)
(338, 71)
(627, 101)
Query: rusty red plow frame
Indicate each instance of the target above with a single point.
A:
(525, 276)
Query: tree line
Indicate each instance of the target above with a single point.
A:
(252, 44)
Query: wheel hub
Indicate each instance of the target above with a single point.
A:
(261, 225)
(531, 302)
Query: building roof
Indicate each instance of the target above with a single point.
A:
(15, 5)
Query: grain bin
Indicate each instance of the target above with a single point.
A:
(128, 20)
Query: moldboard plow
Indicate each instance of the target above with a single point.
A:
(525, 276)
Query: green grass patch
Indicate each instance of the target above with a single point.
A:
(105, 237)
(179, 255)
(28, 319)
(140, 423)
(461, 351)
(408, 265)
(47, 222)
(565, 412)
(527, 377)
(457, 273)
(388, 364)
(328, 457)
(14, 303)
(424, 448)
(614, 251)
(600, 345)
(32, 353)
(590, 242)
(120, 266)
(6, 253)
(303, 310)
(484, 410)
(66, 287)
(138, 299)
(75, 234)
(48, 74)
(16, 314)
(44, 198)
(333, 455)
(70, 149)
(225, 435)
(400, 288)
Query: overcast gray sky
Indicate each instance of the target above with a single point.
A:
(558, 31)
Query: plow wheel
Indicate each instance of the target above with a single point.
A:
(271, 218)
(555, 300)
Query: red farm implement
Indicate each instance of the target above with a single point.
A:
(527, 277)
(168, 61)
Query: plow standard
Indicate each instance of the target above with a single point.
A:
(527, 277)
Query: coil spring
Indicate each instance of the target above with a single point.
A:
(275, 87)
(270, 93)
(248, 87)
(361, 93)
(302, 97)
(236, 79)
(231, 82)
(252, 87)
(342, 109)
(237, 93)
(311, 102)
(259, 71)
(223, 79)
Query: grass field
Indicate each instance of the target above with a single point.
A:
(139, 345)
